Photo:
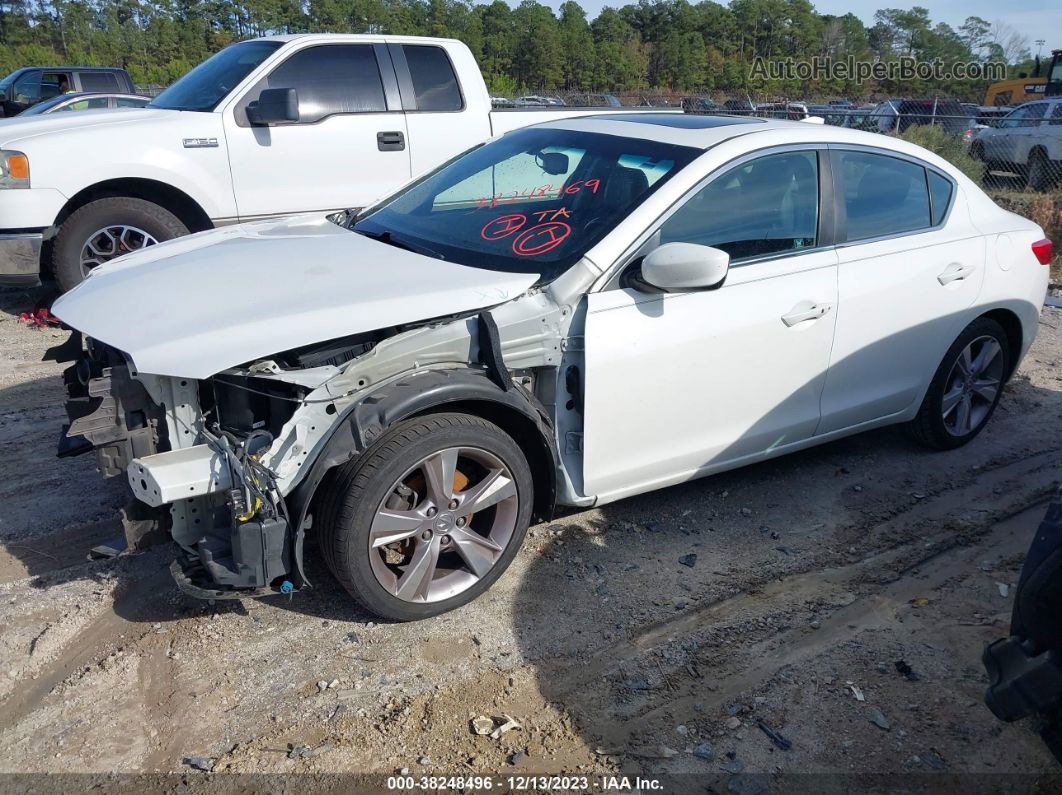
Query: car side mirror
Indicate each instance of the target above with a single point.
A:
(677, 267)
(274, 106)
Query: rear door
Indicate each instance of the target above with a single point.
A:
(348, 147)
(104, 82)
(438, 117)
(908, 270)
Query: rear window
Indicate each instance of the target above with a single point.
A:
(883, 195)
(98, 81)
(434, 82)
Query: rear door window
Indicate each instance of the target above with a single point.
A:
(331, 79)
(883, 195)
(98, 81)
(435, 85)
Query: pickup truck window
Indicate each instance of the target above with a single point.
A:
(98, 81)
(210, 82)
(533, 201)
(434, 82)
(331, 79)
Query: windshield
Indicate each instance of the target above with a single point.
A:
(210, 82)
(533, 201)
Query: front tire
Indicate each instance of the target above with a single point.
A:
(429, 518)
(107, 228)
(966, 387)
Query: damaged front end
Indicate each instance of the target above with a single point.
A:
(230, 463)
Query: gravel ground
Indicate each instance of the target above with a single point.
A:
(611, 649)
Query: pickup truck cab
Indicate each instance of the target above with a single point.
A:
(24, 88)
(264, 128)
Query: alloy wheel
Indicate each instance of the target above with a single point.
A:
(110, 242)
(972, 386)
(443, 525)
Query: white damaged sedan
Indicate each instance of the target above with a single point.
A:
(572, 313)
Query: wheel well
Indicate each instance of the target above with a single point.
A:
(176, 201)
(526, 434)
(1012, 326)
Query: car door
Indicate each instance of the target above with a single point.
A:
(438, 119)
(996, 140)
(678, 384)
(348, 147)
(908, 269)
(1051, 134)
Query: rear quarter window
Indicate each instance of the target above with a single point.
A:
(98, 81)
(940, 190)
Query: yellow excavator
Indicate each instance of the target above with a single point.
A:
(1026, 89)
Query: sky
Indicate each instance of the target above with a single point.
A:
(1036, 19)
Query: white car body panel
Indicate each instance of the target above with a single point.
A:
(730, 378)
(251, 290)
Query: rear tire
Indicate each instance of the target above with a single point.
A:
(96, 225)
(966, 387)
(1040, 177)
(387, 493)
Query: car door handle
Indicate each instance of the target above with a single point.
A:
(955, 272)
(391, 141)
(805, 311)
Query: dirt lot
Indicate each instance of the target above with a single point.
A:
(814, 575)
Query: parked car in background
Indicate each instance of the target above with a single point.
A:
(1028, 140)
(793, 111)
(536, 100)
(744, 107)
(65, 103)
(24, 88)
(593, 101)
(266, 127)
(700, 105)
(575, 313)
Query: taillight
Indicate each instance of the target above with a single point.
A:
(1044, 250)
(968, 136)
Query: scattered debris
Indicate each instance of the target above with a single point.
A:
(306, 752)
(689, 560)
(1004, 589)
(322, 686)
(704, 751)
(919, 602)
(734, 723)
(482, 725)
(856, 692)
(934, 760)
(200, 762)
(877, 717)
(39, 318)
(517, 757)
(424, 760)
(509, 723)
(779, 740)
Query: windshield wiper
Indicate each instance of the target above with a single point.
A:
(391, 240)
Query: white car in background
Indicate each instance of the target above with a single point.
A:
(573, 313)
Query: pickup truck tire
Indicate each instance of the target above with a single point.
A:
(114, 226)
(444, 558)
(966, 387)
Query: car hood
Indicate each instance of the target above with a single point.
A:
(200, 304)
(18, 128)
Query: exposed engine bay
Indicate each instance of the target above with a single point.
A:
(231, 463)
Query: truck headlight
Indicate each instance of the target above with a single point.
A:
(14, 169)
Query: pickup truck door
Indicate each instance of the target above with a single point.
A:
(439, 120)
(348, 148)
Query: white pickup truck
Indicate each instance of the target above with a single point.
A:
(267, 127)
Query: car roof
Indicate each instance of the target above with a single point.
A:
(705, 132)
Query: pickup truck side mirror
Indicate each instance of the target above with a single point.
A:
(678, 267)
(274, 106)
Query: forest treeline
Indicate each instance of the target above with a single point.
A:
(662, 45)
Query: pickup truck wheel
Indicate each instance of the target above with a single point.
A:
(429, 518)
(107, 228)
(966, 388)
